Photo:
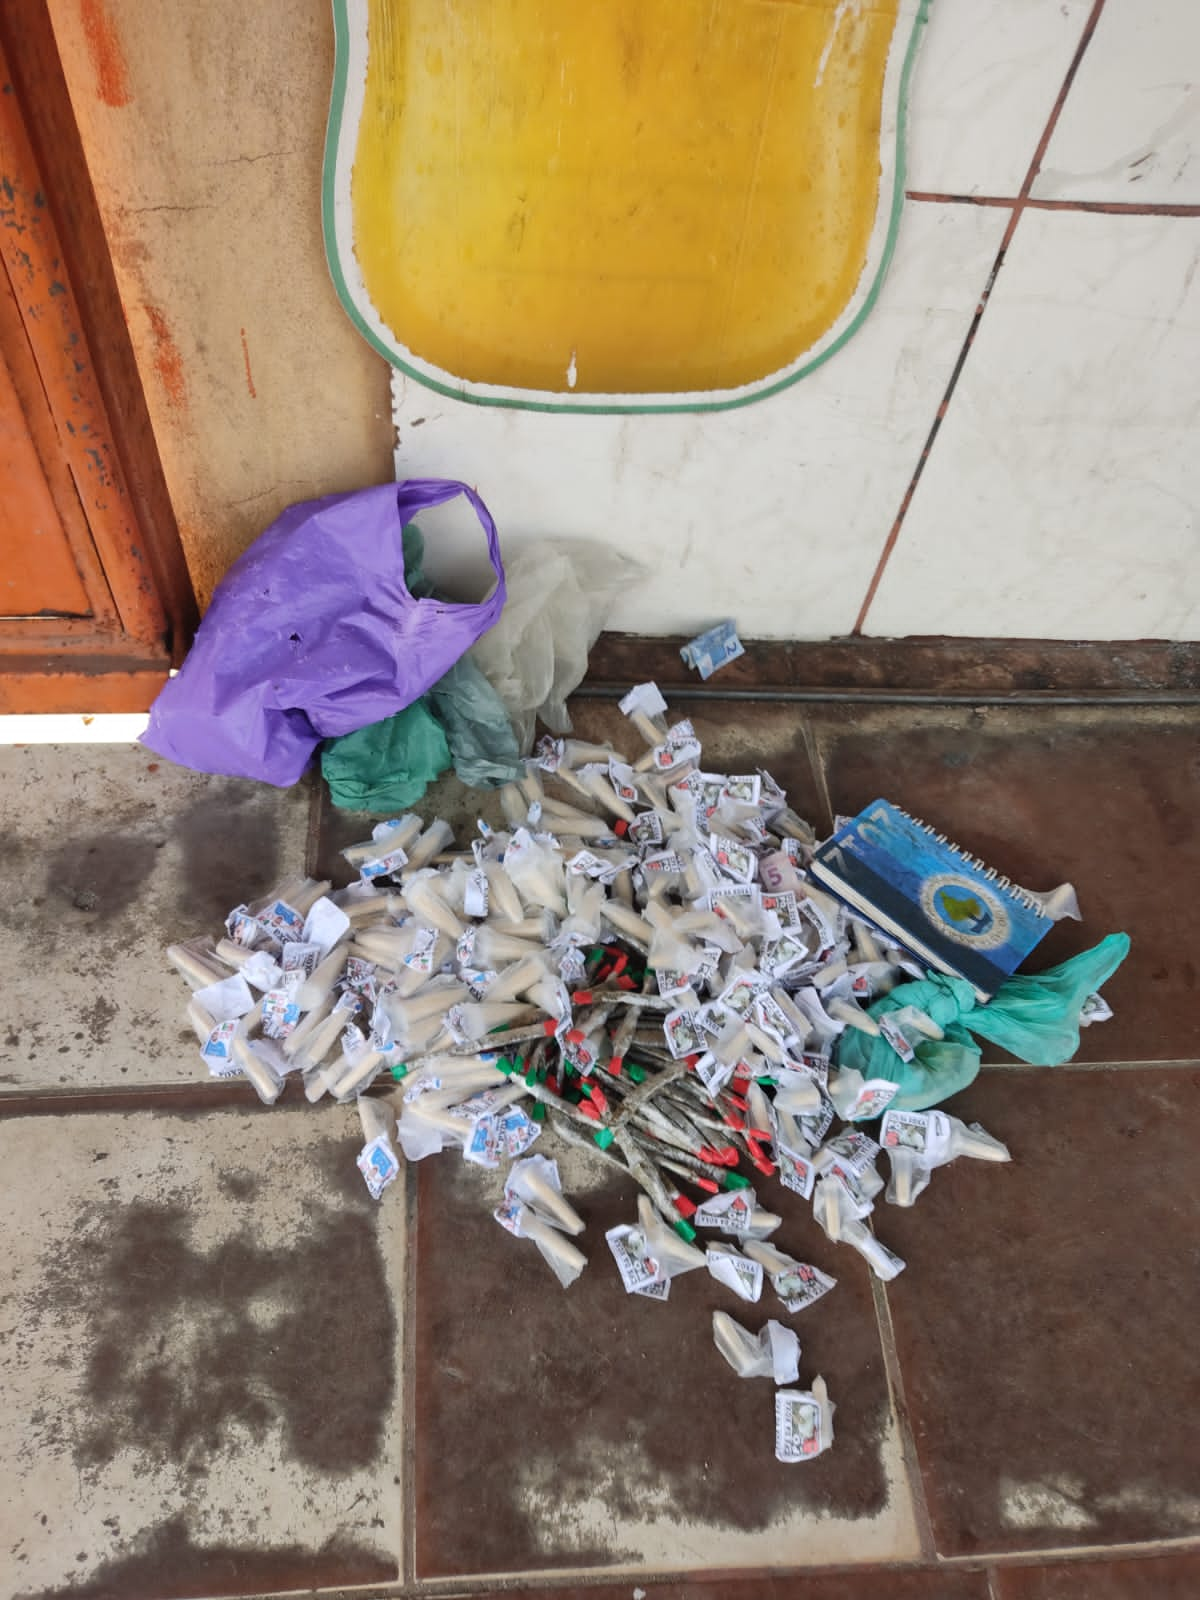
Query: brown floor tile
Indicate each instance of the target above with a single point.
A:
(588, 1428)
(1170, 1577)
(876, 1583)
(1103, 797)
(1045, 1323)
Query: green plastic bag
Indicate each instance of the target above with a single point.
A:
(387, 766)
(1035, 1017)
(482, 742)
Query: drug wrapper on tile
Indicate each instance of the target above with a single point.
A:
(803, 1422)
(916, 1142)
(730, 1267)
(774, 1352)
(737, 1212)
(377, 1160)
(711, 650)
(796, 1283)
(563, 1258)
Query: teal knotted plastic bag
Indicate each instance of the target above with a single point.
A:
(1035, 1017)
(388, 766)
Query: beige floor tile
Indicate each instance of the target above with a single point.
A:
(199, 1347)
(110, 855)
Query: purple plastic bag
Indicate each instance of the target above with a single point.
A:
(313, 633)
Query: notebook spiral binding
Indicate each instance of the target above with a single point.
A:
(993, 876)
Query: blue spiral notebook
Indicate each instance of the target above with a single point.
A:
(956, 914)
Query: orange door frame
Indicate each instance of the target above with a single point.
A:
(54, 253)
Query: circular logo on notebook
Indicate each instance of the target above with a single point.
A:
(969, 913)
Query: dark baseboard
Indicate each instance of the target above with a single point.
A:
(937, 668)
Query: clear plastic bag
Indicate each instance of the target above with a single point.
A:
(560, 594)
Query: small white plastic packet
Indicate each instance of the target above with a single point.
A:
(737, 1272)
(796, 1283)
(420, 1135)
(803, 1422)
(1094, 1009)
(774, 1352)
(737, 1212)
(377, 1161)
(672, 1254)
(227, 1000)
(535, 1182)
(563, 1258)
(325, 925)
(836, 1213)
(638, 1268)
(917, 1142)
(856, 1099)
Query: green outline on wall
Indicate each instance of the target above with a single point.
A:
(333, 133)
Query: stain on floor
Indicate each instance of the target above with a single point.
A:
(569, 1417)
(110, 858)
(199, 1354)
(166, 1564)
(185, 1348)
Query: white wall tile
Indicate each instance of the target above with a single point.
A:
(1060, 499)
(986, 78)
(1130, 128)
(774, 514)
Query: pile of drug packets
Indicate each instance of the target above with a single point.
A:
(639, 964)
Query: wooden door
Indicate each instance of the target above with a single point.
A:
(95, 605)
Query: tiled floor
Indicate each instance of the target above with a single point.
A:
(228, 1373)
(636, 1446)
(110, 855)
(198, 1335)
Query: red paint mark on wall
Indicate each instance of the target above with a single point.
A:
(104, 47)
(249, 374)
(167, 361)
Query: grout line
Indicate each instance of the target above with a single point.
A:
(194, 1097)
(1183, 1062)
(1119, 208)
(1066, 1555)
(1018, 207)
(408, 1386)
(933, 197)
(816, 765)
(712, 1583)
(203, 1096)
(715, 1580)
(908, 1442)
(1021, 699)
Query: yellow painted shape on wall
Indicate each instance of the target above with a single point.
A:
(622, 196)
